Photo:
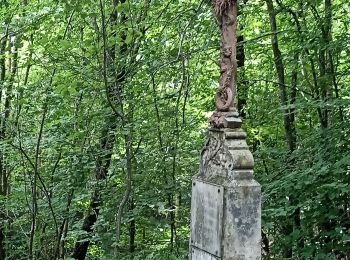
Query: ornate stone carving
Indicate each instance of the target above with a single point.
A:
(209, 151)
(226, 154)
(224, 95)
(226, 12)
(216, 159)
(217, 119)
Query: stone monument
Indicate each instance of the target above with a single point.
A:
(225, 207)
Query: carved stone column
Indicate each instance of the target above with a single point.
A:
(226, 200)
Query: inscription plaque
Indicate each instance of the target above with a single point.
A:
(198, 254)
(206, 216)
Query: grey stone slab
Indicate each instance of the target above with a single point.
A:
(198, 254)
(242, 222)
(206, 216)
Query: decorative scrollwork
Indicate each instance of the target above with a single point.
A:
(224, 95)
(217, 119)
(209, 151)
(215, 158)
(224, 98)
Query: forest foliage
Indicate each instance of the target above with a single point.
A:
(104, 110)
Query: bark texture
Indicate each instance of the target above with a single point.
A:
(108, 134)
(287, 102)
(278, 60)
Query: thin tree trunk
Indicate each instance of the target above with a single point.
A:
(315, 86)
(36, 166)
(327, 71)
(324, 62)
(108, 136)
(101, 169)
(336, 87)
(64, 228)
(35, 186)
(328, 55)
(13, 65)
(278, 60)
(243, 86)
(7, 107)
(169, 194)
(3, 182)
(129, 153)
(288, 114)
(293, 94)
(132, 228)
(114, 97)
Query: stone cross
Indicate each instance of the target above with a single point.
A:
(225, 206)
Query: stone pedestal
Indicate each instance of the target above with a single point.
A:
(225, 210)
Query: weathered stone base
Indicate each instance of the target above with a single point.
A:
(226, 211)
(242, 222)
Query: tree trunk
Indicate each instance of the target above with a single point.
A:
(132, 228)
(278, 60)
(108, 137)
(13, 66)
(3, 181)
(243, 86)
(102, 165)
(288, 113)
(324, 63)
